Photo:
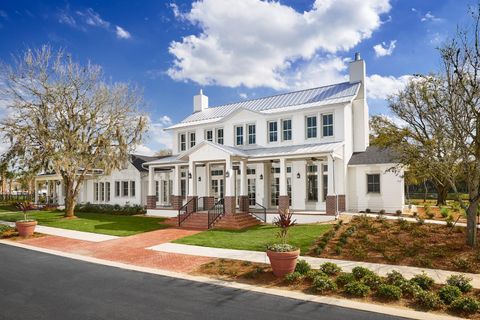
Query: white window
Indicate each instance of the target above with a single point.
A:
(183, 142)
(251, 134)
(95, 191)
(132, 188)
(311, 123)
(239, 135)
(192, 139)
(272, 131)
(107, 191)
(209, 135)
(124, 188)
(102, 191)
(373, 183)
(220, 136)
(287, 130)
(117, 188)
(327, 125)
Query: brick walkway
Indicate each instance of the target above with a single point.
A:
(129, 250)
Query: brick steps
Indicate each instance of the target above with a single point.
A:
(197, 221)
(236, 221)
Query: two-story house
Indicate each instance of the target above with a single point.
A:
(306, 150)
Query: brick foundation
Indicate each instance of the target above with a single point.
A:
(341, 203)
(176, 202)
(192, 206)
(151, 202)
(331, 205)
(244, 203)
(209, 202)
(283, 203)
(230, 204)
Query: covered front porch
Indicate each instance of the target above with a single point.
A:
(49, 190)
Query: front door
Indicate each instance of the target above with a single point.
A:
(251, 191)
(218, 183)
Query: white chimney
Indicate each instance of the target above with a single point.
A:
(356, 70)
(357, 73)
(200, 102)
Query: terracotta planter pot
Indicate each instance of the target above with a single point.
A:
(283, 262)
(26, 228)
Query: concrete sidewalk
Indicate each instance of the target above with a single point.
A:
(65, 233)
(440, 276)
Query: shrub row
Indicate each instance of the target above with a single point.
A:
(127, 210)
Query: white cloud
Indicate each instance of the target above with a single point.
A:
(243, 95)
(122, 33)
(92, 18)
(257, 43)
(429, 17)
(382, 49)
(144, 150)
(380, 87)
(157, 138)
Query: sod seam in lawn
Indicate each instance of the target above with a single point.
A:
(256, 238)
(114, 225)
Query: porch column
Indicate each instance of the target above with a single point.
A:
(151, 196)
(48, 192)
(243, 199)
(176, 198)
(35, 190)
(60, 196)
(230, 199)
(331, 204)
(192, 185)
(283, 199)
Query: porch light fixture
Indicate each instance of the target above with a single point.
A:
(199, 179)
(298, 175)
(58, 183)
(261, 176)
(227, 174)
(189, 175)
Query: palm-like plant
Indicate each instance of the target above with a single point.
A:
(284, 221)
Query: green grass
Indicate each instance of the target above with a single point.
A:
(114, 225)
(256, 238)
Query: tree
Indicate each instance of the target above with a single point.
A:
(67, 119)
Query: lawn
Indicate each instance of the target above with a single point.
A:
(256, 238)
(114, 225)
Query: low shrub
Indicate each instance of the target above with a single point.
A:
(460, 281)
(293, 277)
(430, 215)
(398, 212)
(424, 281)
(404, 224)
(344, 278)
(311, 274)
(389, 292)
(360, 272)
(465, 305)
(410, 288)
(127, 210)
(427, 300)
(463, 265)
(372, 280)
(324, 284)
(330, 268)
(395, 278)
(357, 289)
(368, 210)
(381, 212)
(302, 267)
(449, 221)
(444, 212)
(420, 221)
(4, 228)
(449, 293)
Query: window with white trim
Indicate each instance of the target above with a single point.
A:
(239, 135)
(311, 124)
(373, 183)
(117, 188)
(124, 188)
(107, 191)
(209, 135)
(251, 134)
(287, 130)
(102, 191)
(183, 141)
(327, 125)
(95, 191)
(220, 136)
(192, 139)
(272, 131)
(132, 188)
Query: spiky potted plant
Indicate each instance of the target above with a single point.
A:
(25, 227)
(283, 256)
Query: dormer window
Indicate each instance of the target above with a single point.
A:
(272, 131)
(327, 125)
(183, 142)
(311, 122)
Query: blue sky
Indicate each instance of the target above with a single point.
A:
(236, 50)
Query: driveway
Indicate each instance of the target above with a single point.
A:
(36, 285)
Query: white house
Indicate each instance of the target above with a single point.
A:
(125, 186)
(305, 150)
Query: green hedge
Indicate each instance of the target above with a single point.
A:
(127, 210)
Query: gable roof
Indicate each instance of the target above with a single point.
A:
(335, 93)
(373, 155)
(138, 160)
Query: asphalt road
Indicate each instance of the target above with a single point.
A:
(35, 285)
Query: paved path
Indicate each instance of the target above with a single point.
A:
(52, 287)
(72, 234)
(130, 250)
(440, 276)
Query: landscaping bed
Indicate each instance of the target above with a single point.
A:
(420, 293)
(257, 238)
(399, 242)
(10, 233)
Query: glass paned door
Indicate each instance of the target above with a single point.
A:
(251, 192)
(275, 192)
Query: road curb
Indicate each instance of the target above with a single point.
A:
(350, 304)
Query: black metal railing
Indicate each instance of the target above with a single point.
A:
(186, 210)
(259, 212)
(216, 212)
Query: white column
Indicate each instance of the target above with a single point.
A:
(331, 175)
(35, 190)
(283, 177)
(47, 198)
(176, 180)
(192, 182)
(60, 196)
(243, 178)
(229, 178)
(207, 179)
(151, 183)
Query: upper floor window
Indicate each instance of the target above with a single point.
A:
(311, 127)
(183, 142)
(192, 139)
(327, 125)
(373, 183)
(220, 136)
(239, 135)
(251, 134)
(209, 135)
(287, 130)
(272, 131)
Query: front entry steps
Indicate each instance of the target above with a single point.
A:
(199, 221)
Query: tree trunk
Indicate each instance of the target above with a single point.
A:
(442, 193)
(70, 200)
(472, 224)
